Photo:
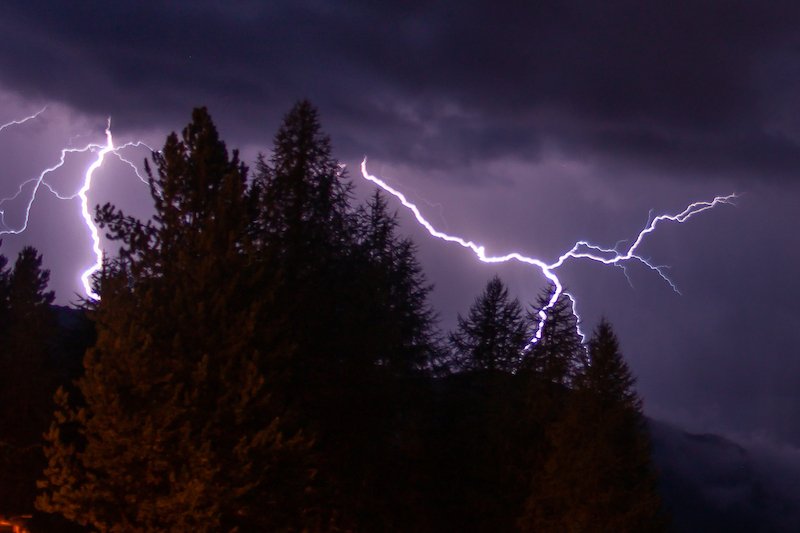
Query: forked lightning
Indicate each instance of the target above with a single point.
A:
(580, 250)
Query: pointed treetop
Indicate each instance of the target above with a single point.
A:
(300, 145)
(607, 373)
(493, 334)
(28, 281)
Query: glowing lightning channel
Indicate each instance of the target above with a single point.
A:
(22, 120)
(82, 194)
(87, 216)
(580, 250)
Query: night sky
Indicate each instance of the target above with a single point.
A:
(523, 127)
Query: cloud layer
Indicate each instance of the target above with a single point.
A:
(704, 88)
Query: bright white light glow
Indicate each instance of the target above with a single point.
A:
(580, 250)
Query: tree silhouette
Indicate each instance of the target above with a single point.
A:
(598, 475)
(394, 293)
(304, 227)
(559, 353)
(25, 366)
(266, 361)
(477, 461)
(493, 334)
(26, 376)
(174, 428)
(303, 191)
(358, 316)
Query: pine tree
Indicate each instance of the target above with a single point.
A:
(26, 376)
(175, 428)
(4, 275)
(598, 475)
(355, 299)
(479, 459)
(493, 334)
(559, 354)
(303, 224)
(341, 267)
(607, 375)
(25, 400)
(399, 320)
(304, 192)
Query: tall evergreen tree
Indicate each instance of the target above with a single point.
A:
(493, 334)
(24, 369)
(598, 475)
(4, 287)
(26, 377)
(336, 261)
(358, 317)
(559, 354)
(304, 191)
(607, 375)
(478, 461)
(305, 227)
(393, 325)
(550, 366)
(174, 428)
(399, 319)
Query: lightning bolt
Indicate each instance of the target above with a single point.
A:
(100, 151)
(22, 120)
(580, 250)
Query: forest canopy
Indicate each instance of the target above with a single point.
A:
(265, 357)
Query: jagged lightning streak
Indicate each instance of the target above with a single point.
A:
(22, 120)
(101, 150)
(87, 216)
(580, 250)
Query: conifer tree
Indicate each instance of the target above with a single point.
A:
(559, 354)
(394, 292)
(26, 377)
(355, 299)
(550, 366)
(304, 226)
(175, 428)
(480, 462)
(336, 260)
(607, 375)
(304, 192)
(4, 274)
(24, 389)
(598, 475)
(493, 334)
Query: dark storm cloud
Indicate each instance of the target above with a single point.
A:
(700, 87)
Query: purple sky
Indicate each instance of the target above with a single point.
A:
(526, 127)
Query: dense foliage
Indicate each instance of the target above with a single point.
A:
(27, 326)
(266, 359)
